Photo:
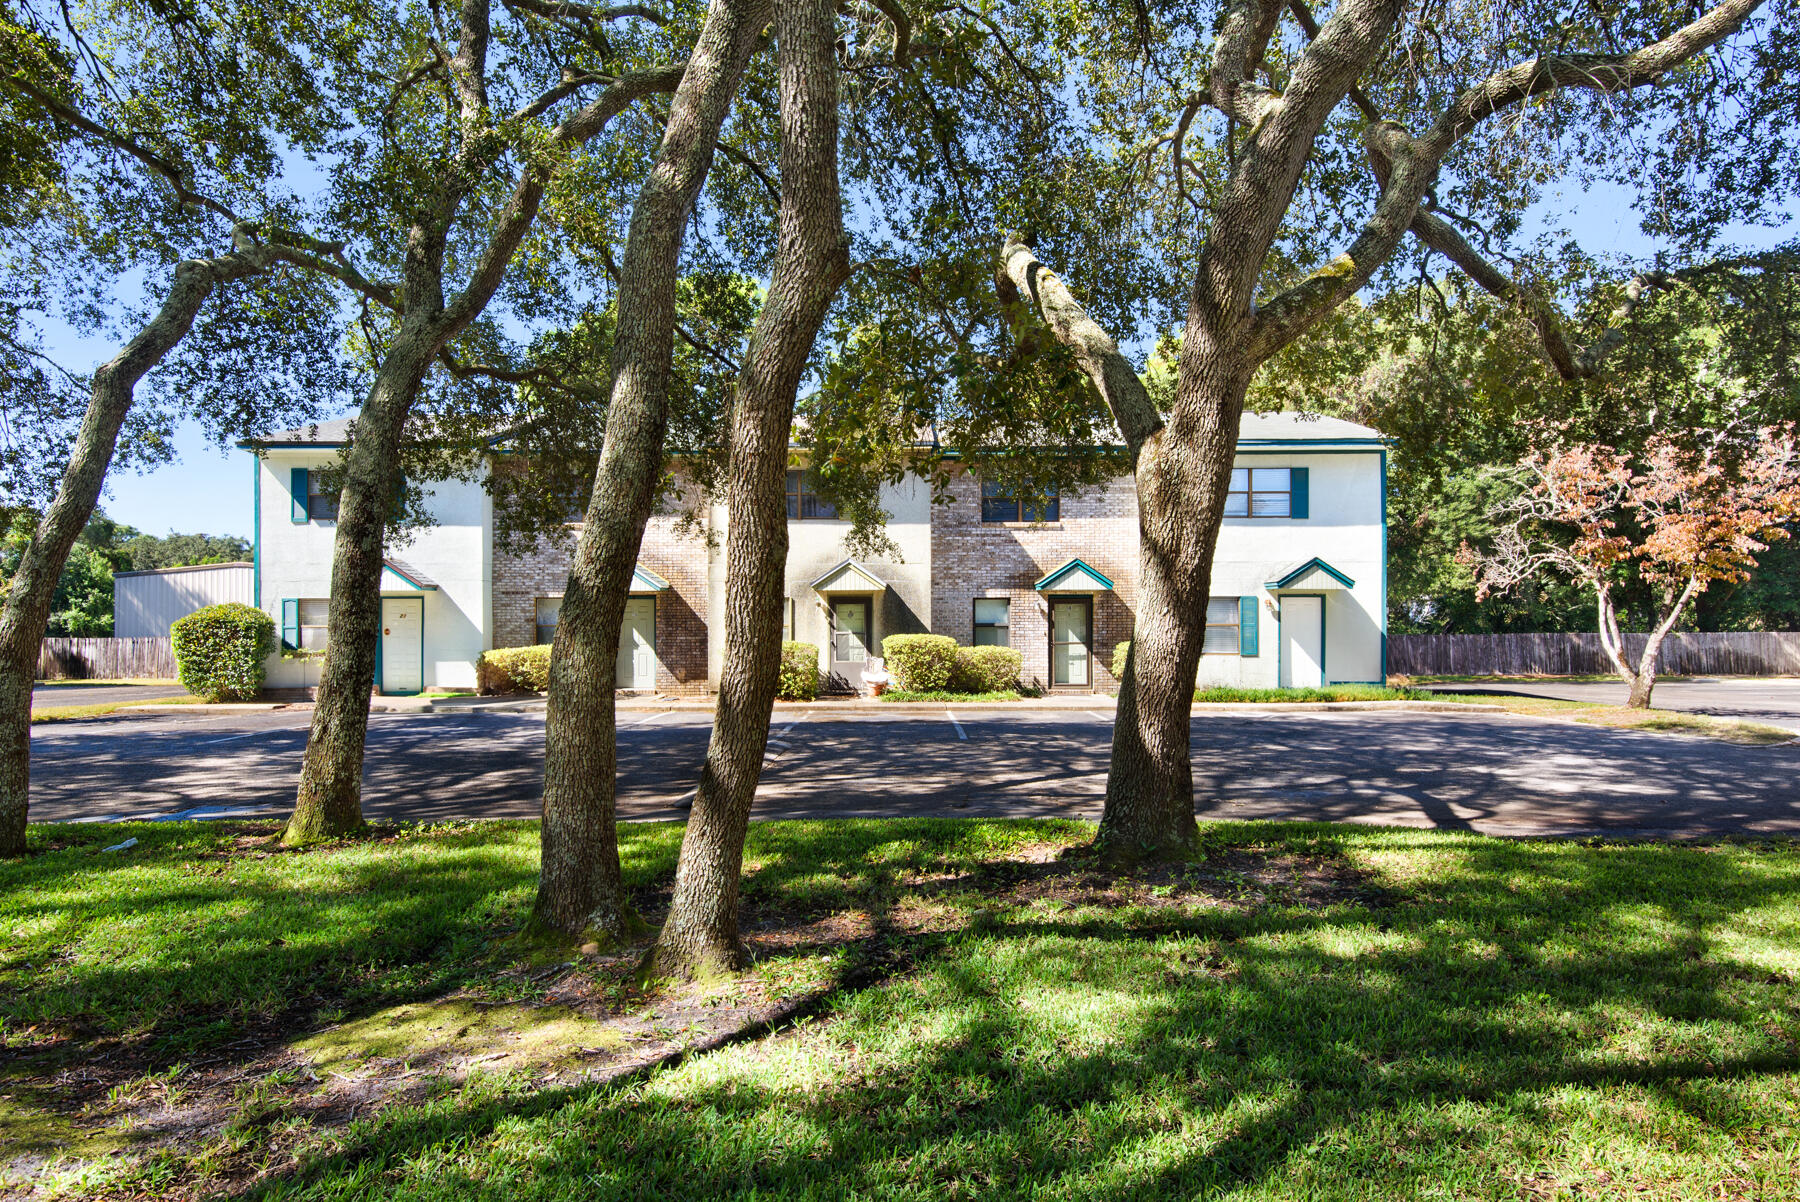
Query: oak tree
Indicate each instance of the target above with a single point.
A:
(1302, 152)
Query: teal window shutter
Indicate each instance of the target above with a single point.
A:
(297, 485)
(1297, 478)
(1247, 608)
(290, 623)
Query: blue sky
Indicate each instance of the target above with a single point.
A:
(207, 490)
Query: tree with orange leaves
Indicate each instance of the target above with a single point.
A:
(1681, 516)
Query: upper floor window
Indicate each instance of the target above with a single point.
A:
(1002, 503)
(803, 503)
(1264, 492)
(321, 500)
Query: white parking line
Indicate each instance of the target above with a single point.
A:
(1097, 714)
(647, 721)
(228, 738)
(960, 733)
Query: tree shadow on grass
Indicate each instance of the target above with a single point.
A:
(1448, 1039)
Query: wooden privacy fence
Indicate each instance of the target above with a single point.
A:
(1723, 653)
(106, 659)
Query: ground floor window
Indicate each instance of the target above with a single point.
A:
(1221, 627)
(314, 621)
(549, 609)
(992, 623)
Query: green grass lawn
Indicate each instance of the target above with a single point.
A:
(72, 713)
(1336, 692)
(1306, 1012)
(1731, 730)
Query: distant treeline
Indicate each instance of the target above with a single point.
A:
(83, 606)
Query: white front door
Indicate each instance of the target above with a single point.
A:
(1069, 634)
(637, 645)
(850, 639)
(402, 644)
(1302, 642)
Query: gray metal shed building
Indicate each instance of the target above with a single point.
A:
(145, 603)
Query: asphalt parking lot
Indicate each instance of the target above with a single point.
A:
(76, 692)
(1771, 700)
(1497, 774)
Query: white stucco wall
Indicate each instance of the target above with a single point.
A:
(815, 547)
(456, 554)
(1344, 527)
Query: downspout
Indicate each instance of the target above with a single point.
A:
(256, 534)
(1384, 571)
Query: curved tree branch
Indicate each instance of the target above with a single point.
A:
(522, 207)
(1237, 51)
(1406, 166)
(1596, 72)
(1021, 276)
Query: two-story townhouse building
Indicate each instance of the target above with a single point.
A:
(1299, 594)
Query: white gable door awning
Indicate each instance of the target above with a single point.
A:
(1313, 576)
(402, 579)
(1075, 576)
(849, 577)
(645, 583)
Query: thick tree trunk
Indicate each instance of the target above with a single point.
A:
(580, 887)
(329, 802)
(701, 934)
(27, 606)
(1183, 474)
(1149, 809)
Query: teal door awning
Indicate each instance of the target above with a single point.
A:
(849, 577)
(646, 583)
(1314, 574)
(1074, 577)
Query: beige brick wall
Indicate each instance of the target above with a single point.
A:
(971, 558)
(519, 580)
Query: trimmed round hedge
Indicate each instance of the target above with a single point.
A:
(799, 672)
(986, 670)
(513, 670)
(920, 663)
(220, 651)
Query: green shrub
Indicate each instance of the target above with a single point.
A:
(219, 651)
(986, 670)
(1119, 655)
(513, 670)
(920, 663)
(799, 672)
